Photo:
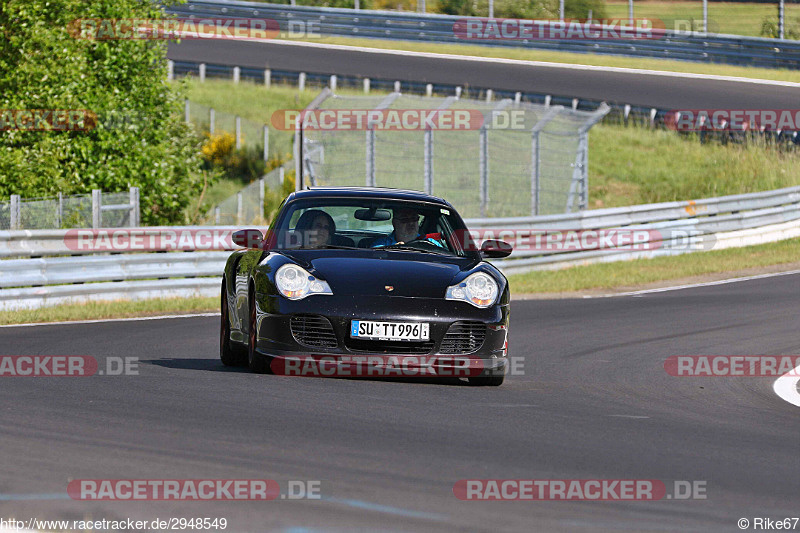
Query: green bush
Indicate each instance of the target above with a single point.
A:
(139, 139)
(769, 28)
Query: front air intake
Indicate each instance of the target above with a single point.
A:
(463, 338)
(314, 331)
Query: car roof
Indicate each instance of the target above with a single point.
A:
(367, 192)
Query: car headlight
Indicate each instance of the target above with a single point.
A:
(296, 283)
(479, 289)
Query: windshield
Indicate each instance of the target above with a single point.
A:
(367, 223)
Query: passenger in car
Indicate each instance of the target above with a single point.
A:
(318, 229)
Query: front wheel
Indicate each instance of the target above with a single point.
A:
(258, 363)
(229, 354)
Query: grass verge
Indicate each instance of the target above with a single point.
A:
(738, 18)
(508, 52)
(643, 271)
(110, 309)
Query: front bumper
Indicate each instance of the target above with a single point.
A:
(277, 340)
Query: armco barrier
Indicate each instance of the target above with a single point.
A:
(711, 48)
(35, 278)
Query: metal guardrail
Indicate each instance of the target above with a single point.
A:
(723, 222)
(691, 46)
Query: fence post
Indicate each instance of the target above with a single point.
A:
(397, 86)
(267, 78)
(366, 85)
(370, 151)
(299, 154)
(202, 72)
(261, 196)
(484, 168)
(237, 72)
(170, 70)
(517, 97)
(428, 160)
(60, 211)
(266, 142)
(584, 185)
(536, 160)
(429, 90)
(535, 169)
(547, 100)
(239, 208)
(301, 81)
(333, 83)
(489, 93)
(16, 219)
(186, 110)
(211, 120)
(97, 206)
(135, 212)
(216, 216)
(458, 91)
(238, 132)
(281, 174)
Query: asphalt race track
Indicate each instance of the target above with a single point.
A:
(665, 92)
(594, 403)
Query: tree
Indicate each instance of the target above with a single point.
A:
(138, 139)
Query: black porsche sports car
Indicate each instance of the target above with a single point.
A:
(366, 281)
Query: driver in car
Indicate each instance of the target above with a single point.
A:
(406, 229)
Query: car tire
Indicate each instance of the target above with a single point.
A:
(229, 353)
(258, 363)
(487, 381)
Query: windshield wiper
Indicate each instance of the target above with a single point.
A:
(406, 248)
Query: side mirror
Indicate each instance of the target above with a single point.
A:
(248, 238)
(495, 249)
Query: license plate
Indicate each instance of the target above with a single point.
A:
(389, 331)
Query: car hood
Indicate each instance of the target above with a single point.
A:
(359, 274)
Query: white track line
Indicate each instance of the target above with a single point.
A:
(547, 64)
(101, 320)
(786, 387)
(695, 285)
